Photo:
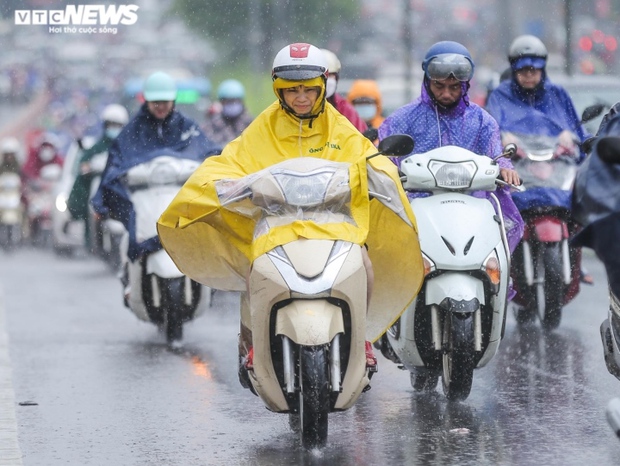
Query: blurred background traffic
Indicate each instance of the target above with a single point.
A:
(55, 81)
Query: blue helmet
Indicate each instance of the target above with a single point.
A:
(448, 58)
(160, 87)
(230, 89)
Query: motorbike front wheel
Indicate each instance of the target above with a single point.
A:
(314, 395)
(172, 297)
(459, 356)
(550, 286)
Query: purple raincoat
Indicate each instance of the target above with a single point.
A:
(467, 125)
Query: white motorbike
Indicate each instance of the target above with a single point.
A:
(306, 303)
(11, 210)
(457, 320)
(106, 233)
(158, 292)
(40, 200)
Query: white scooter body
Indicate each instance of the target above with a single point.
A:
(11, 209)
(152, 187)
(458, 234)
(309, 272)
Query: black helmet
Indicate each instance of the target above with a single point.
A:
(527, 50)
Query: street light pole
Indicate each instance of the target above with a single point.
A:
(408, 45)
(568, 25)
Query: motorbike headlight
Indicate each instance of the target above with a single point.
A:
(452, 175)
(61, 203)
(491, 267)
(163, 174)
(304, 190)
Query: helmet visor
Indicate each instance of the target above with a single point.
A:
(525, 62)
(298, 72)
(450, 64)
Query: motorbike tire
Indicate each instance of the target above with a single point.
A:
(172, 294)
(424, 380)
(551, 256)
(459, 356)
(314, 396)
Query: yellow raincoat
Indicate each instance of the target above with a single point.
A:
(215, 246)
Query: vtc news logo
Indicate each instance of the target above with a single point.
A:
(84, 15)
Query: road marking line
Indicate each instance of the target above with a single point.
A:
(10, 453)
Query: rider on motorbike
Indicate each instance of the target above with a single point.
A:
(443, 115)
(113, 117)
(46, 152)
(298, 124)
(529, 103)
(157, 128)
(365, 96)
(341, 104)
(228, 123)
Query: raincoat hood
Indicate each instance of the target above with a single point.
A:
(547, 110)
(367, 88)
(216, 246)
(596, 193)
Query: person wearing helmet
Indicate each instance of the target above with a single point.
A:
(529, 103)
(113, 118)
(232, 118)
(156, 126)
(9, 158)
(45, 152)
(298, 124)
(365, 97)
(443, 115)
(340, 103)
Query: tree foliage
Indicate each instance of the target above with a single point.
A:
(242, 29)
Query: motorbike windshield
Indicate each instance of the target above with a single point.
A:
(557, 173)
(304, 189)
(544, 163)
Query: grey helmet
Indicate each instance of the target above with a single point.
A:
(527, 46)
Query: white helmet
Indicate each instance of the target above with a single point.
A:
(333, 64)
(10, 145)
(115, 113)
(299, 62)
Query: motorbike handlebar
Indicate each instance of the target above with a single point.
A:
(510, 185)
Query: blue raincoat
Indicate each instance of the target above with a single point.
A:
(142, 139)
(546, 110)
(596, 207)
(466, 125)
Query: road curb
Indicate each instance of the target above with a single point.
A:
(10, 453)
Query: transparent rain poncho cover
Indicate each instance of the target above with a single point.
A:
(294, 190)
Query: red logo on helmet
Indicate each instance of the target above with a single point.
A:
(299, 50)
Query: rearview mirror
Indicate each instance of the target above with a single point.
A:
(510, 150)
(591, 112)
(397, 145)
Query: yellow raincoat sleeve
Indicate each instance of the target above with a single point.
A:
(215, 246)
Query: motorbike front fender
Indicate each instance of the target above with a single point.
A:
(458, 286)
(160, 264)
(114, 226)
(550, 230)
(310, 322)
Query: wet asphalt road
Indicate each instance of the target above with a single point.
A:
(102, 388)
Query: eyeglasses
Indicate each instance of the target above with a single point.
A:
(450, 64)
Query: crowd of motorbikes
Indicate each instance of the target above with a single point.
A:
(311, 353)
